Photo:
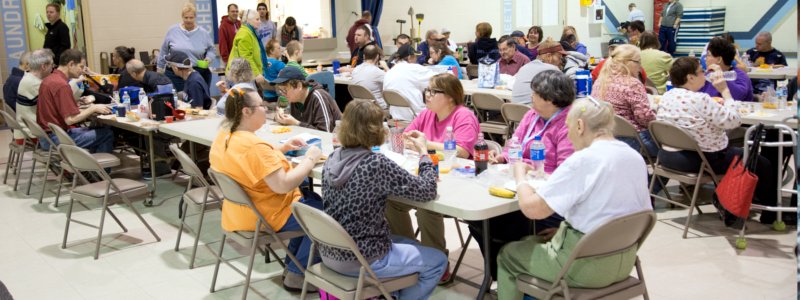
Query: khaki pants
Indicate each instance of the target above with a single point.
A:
(25, 111)
(545, 260)
(431, 225)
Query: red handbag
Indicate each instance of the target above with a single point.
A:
(735, 191)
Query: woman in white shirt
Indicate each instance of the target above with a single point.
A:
(604, 179)
(707, 120)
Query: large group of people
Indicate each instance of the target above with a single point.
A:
(586, 185)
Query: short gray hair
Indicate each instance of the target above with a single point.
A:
(25, 58)
(598, 115)
(248, 14)
(240, 71)
(40, 58)
(555, 87)
(766, 34)
(134, 66)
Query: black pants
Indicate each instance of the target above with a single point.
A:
(689, 161)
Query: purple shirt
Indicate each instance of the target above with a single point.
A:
(512, 66)
(557, 145)
(741, 88)
(464, 123)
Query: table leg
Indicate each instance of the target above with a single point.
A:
(487, 272)
(151, 150)
(192, 151)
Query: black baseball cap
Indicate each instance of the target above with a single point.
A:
(288, 73)
(179, 59)
(405, 51)
(617, 41)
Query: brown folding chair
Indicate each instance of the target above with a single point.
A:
(203, 198)
(393, 98)
(615, 236)
(324, 230)
(40, 155)
(677, 139)
(484, 104)
(264, 236)
(513, 114)
(15, 151)
(358, 91)
(106, 192)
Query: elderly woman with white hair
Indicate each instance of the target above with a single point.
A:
(240, 75)
(191, 39)
(604, 179)
(246, 45)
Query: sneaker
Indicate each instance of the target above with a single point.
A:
(293, 282)
(446, 277)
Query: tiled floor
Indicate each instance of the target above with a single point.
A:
(134, 266)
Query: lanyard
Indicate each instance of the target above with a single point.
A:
(528, 136)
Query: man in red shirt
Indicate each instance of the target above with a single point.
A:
(57, 106)
(228, 26)
(511, 60)
(366, 18)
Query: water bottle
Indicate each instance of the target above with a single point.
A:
(537, 155)
(116, 97)
(126, 101)
(449, 150)
(746, 60)
(727, 75)
(174, 97)
(514, 151)
(335, 140)
(144, 111)
(481, 155)
(782, 93)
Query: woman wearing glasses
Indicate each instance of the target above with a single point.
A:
(600, 182)
(618, 84)
(264, 173)
(444, 102)
(553, 93)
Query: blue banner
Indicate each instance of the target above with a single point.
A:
(13, 30)
(205, 19)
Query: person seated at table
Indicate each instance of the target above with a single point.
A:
(511, 60)
(764, 54)
(408, 79)
(553, 94)
(311, 105)
(431, 37)
(148, 80)
(706, 120)
(370, 74)
(275, 65)
(619, 86)
(363, 38)
(294, 55)
(265, 175)
(612, 44)
(39, 65)
(442, 56)
(602, 181)
(654, 61)
(12, 82)
(240, 75)
(635, 29)
(535, 36)
(579, 47)
(355, 186)
(445, 108)
(402, 39)
(549, 57)
(519, 39)
(573, 60)
(484, 44)
(720, 56)
(122, 55)
(194, 85)
(737, 59)
(57, 106)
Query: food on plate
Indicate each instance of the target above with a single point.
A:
(281, 129)
(132, 116)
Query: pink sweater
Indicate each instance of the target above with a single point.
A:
(464, 123)
(629, 98)
(557, 145)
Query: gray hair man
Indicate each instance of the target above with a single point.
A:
(40, 65)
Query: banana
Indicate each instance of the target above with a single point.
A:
(501, 192)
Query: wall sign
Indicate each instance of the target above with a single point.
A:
(13, 30)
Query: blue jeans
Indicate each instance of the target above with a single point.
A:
(300, 246)
(96, 140)
(408, 257)
(666, 36)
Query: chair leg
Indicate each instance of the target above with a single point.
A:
(100, 228)
(253, 249)
(44, 178)
(66, 227)
(60, 185)
(138, 215)
(461, 256)
(116, 219)
(197, 237)
(30, 178)
(458, 229)
(17, 167)
(8, 164)
(219, 260)
(180, 230)
(691, 207)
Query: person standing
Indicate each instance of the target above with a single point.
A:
(290, 32)
(266, 31)
(366, 19)
(668, 27)
(246, 45)
(228, 27)
(193, 41)
(57, 36)
(635, 13)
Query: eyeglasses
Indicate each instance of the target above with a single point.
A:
(281, 90)
(429, 92)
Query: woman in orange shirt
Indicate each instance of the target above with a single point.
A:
(263, 172)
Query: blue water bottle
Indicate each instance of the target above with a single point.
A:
(335, 64)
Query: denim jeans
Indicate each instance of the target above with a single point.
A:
(96, 140)
(408, 257)
(300, 246)
(666, 36)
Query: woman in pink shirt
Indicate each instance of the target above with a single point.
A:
(553, 93)
(444, 100)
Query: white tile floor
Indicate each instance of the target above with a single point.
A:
(133, 266)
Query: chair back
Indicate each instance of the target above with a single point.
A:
(358, 91)
(472, 71)
(322, 228)
(36, 130)
(231, 189)
(494, 146)
(188, 165)
(667, 134)
(623, 128)
(325, 78)
(513, 114)
(484, 103)
(7, 108)
(81, 160)
(393, 98)
(11, 122)
(63, 136)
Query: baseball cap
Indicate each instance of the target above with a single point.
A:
(179, 59)
(445, 30)
(287, 74)
(517, 33)
(552, 49)
(405, 51)
(617, 41)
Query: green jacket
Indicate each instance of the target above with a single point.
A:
(246, 45)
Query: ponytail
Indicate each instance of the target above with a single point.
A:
(237, 99)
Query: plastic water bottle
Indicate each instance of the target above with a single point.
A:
(746, 60)
(126, 101)
(449, 150)
(514, 151)
(727, 75)
(537, 155)
(782, 93)
(174, 97)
